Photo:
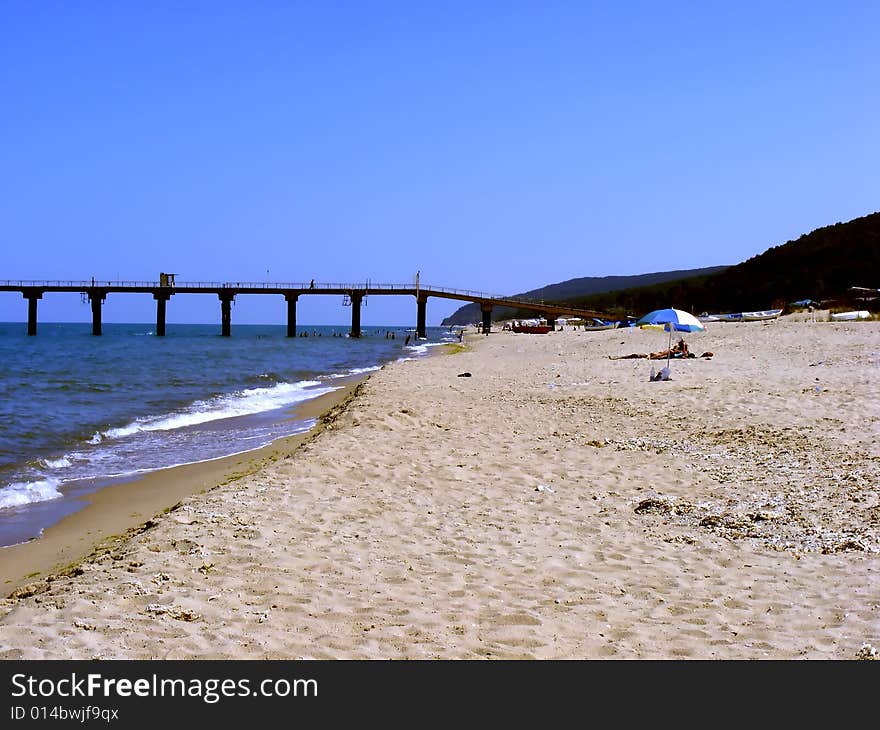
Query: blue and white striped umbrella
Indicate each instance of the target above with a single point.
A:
(673, 319)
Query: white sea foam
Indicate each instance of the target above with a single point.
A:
(419, 350)
(87, 456)
(56, 463)
(19, 493)
(303, 427)
(353, 371)
(242, 403)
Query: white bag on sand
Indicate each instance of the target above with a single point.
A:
(662, 375)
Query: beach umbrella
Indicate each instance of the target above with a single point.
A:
(671, 320)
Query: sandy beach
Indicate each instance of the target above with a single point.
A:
(553, 504)
(111, 514)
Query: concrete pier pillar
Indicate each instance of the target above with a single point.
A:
(487, 318)
(356, 314)
(161, 298)
(551, 321)
(226, 313)
(421, 329)
(96, 297)
(32, 297)
(291, 313)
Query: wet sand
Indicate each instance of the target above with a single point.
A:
(111, 515)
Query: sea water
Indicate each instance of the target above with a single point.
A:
(79, 412)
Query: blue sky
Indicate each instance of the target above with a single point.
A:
(492, 146)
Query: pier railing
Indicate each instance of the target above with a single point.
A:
(96, 291)
(296, 285)
(301, 285)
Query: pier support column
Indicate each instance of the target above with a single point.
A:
(356, 314)
(226, 313)
(487, 318)
(161, 298)
(291, 313)
(421, 329)
(96, 297)
(551, 321)
(32, 296)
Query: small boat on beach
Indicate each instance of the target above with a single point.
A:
(761, 316)
(531, 329)
(600, 324)
(758, 316)
(850, 316)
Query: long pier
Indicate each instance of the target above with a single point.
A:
(353, 295)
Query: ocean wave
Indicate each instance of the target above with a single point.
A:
(419, 350)
(241, 403)
(56, 463)
(303, 427)
(20, 493)
(353, 371)
(358, 371)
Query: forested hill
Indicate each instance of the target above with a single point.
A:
(575, 288)
(820, 265)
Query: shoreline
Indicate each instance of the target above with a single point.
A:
(114, 513)
(524, 498)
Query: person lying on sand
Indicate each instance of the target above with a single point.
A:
(678, 350)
